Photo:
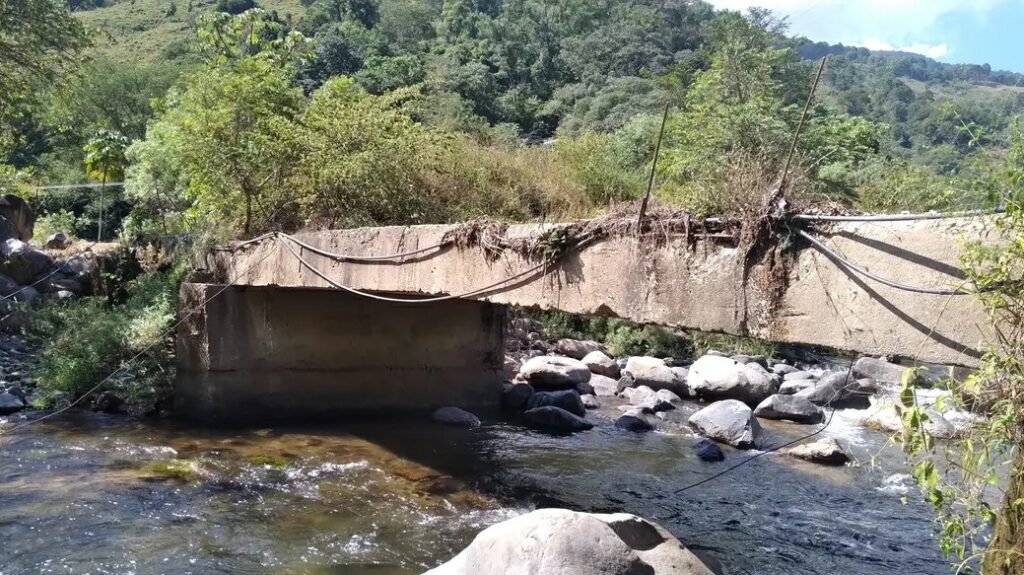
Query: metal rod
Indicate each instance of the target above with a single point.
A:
(650, 178)
(799, 128)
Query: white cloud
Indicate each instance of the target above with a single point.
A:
(930, 50)
(909, 25)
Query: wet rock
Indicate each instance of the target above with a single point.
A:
(836, 390)
(456, 416)
(600, 364)
(728, 421)
(790, 407)
(749, 359)
(708, 451)
(585, 388)
(554, 372)
(515, 396)
(879, 370)
(576, 348)
(633, 421)
(648, 399)
(796, 386)
(604, 386)
(783, 369)
(555, 419)
(798, 375)
(568, 400)
(22, 262)
(626, 381)
(10, 403)
(825, 451)
(714, 377)
(589, 401)
(57, 241)
(882, 415)
(653, 372)
(668, 395)
(563, 542)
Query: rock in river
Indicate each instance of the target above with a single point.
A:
(576, 348)
(563, 542)
(708, 451)
(554, 372)
(589, 401)
(456, 416)
(633, 421)
(715, 377)
(653, 372)
(555, 419)
(10, 403)
(825, 451)
(879, 370)
(515, 395)
(600, 364)
(729, 421)
(791, 408)
(567, 399)
(604, 386)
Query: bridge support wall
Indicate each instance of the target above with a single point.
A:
(255, 352)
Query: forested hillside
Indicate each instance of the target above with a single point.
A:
(342, 112)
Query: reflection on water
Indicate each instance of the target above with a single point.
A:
(98, 494)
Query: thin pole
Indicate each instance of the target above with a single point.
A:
(650, 178)
(103, 188)
(799, 128)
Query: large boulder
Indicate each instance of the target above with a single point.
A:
(515, 395)
(555, 419)
(796, 386)
(10, 403)
(825, 451)
(653, 372)
(879, 370)
(714, 377)
(604, 386)
(22, 262)
(576, 348)
(728, 421)
(836, 390)
(554, 372)
(633, 421)
(599, 363)
(567, 399)
(646, 398)
(563, 542)
(456, 416)
(791, 408)
(17, 220)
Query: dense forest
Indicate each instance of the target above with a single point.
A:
(347, 112)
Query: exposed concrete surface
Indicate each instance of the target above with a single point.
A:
(676, 284)
(259, 352)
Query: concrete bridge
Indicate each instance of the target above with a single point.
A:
(285, 327)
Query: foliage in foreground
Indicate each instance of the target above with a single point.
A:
(85, 341)
(980, 522)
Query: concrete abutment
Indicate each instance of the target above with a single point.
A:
(267, 352)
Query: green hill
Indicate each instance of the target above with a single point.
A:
(144, 31)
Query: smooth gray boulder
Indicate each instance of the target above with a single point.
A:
(714, 377)
(796, 386)
(10, 403)
(879, 370)
(599, 363)
(568, 400)
(728, 421)
(576, 348)
(668, 395)
(554, 372)
(708, 451)
(783, 369)
(790, 408)
(797, 375)
(653, 372)
(22, 262)
(604, 386)
(825, 451)
(456, 416)
(749, 359)
(836, 390)
(555, 419)
(563, 542)
(633, 421)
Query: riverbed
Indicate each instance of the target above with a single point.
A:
(96, 493)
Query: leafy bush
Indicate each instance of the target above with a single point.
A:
(61, 221)
(85, 341)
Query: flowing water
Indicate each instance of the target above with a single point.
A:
(94, 494)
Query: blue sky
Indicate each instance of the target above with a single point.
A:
(968, 31)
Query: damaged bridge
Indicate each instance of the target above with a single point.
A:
(410, 318)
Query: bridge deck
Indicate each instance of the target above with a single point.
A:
(676, 284)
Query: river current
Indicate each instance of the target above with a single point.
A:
(90, 493)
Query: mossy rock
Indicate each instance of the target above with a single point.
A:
(269, 460)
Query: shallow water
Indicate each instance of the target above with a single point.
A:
(91, 493)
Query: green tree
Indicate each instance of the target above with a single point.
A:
(105, 161)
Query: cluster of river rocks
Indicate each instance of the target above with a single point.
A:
(552, 392)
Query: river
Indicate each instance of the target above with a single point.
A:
(90, 493)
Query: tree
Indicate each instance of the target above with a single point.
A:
(105, 160)
(40, 43)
